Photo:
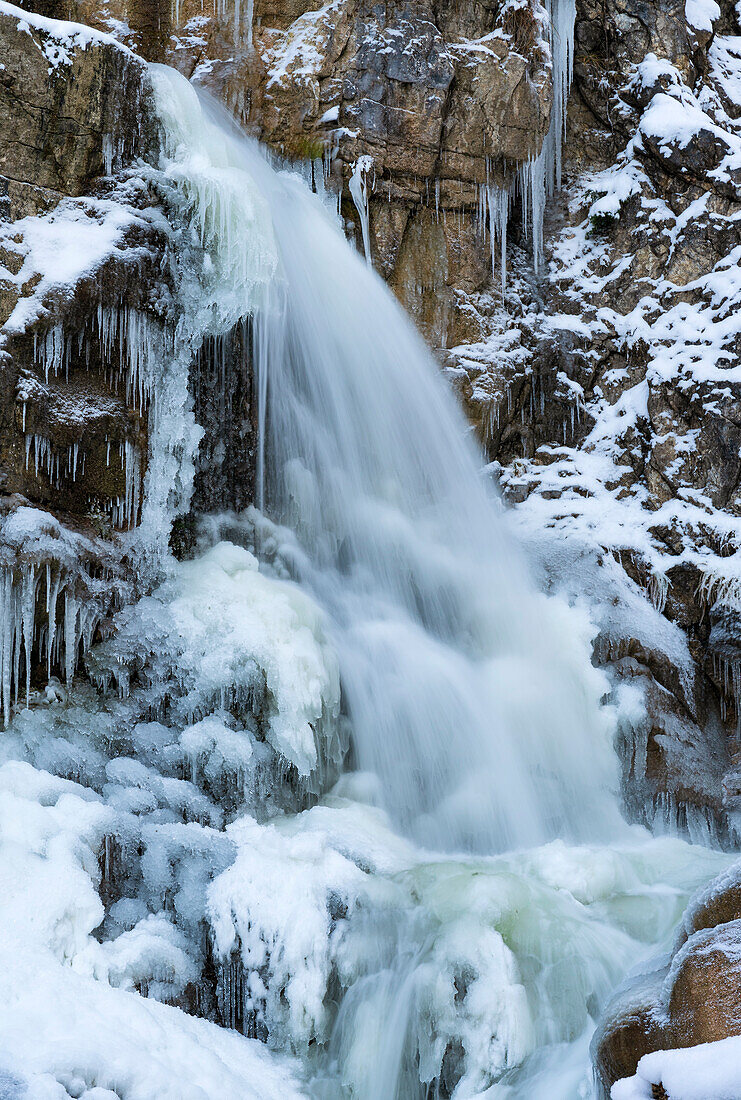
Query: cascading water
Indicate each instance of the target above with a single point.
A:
(471, 697)
(470, 694)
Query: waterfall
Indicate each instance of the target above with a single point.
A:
(470, 695)
(449, 919)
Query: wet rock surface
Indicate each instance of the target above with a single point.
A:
(80, 254)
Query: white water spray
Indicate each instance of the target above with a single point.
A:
(471, 696)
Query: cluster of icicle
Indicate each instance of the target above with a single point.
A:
(241, 23)
(47, 607)
(66, 623)
(142, 343)
(720, 588)
(538, 178)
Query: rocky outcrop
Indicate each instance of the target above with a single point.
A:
(407, 113)
(71, 110)
(80, 258)
(88, 330)
(80, 267)
(694, 997)
(608, 391)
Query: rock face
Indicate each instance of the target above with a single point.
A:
(608, 392)
(70, 110)
(693, 998)
(417, 108)
(73, 111)
(88, 321)
(80, 267)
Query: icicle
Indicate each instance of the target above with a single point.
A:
(359, 191)
(6, 635)
(28, 612)
(52, 595)
(108, 154)
(140, 344)
(658, 587)
(531, 181)
(132, 482)
(49, 350)
(17, 627)
(71, 612)
(541, 176)
(496, 200)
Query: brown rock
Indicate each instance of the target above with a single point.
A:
(630, 1031)
(704, 1003)
(696, 998)
(68, 111)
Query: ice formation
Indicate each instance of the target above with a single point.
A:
(359, 186)
(540, 176)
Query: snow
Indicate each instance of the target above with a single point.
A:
(88, 992)
(295, 907)
(673, 121)
(168, 836)
(725, 59)
(701, 14)
(297, 54)
(74, 1006)
(232, 617)
(58, 1024)
(66, 36)
(578, 493)
(691, 1073)
(70, 242)
(272, 905)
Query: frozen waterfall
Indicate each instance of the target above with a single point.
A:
(450, 917)
(440, 910)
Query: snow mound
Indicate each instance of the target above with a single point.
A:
(62, 1032)
(691, 1073)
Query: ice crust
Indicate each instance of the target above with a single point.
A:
(140, 826)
